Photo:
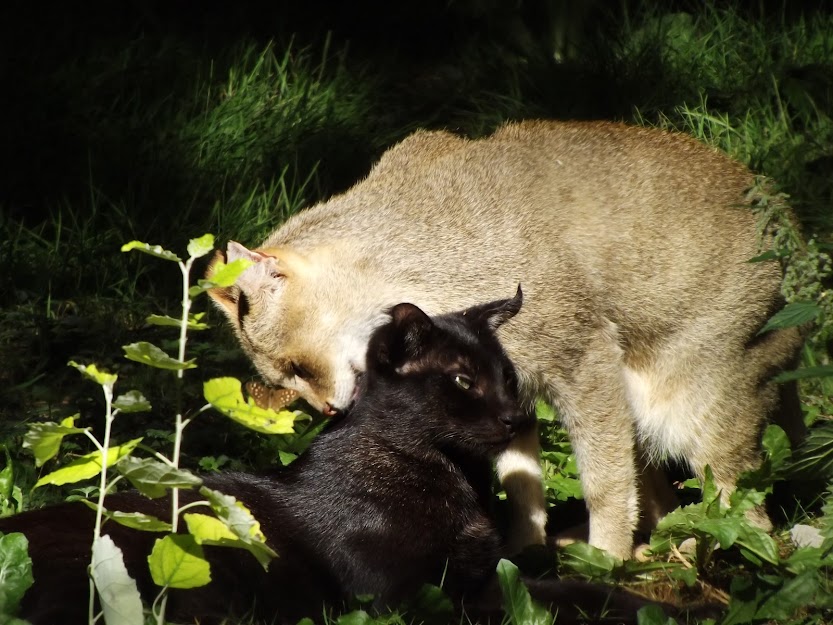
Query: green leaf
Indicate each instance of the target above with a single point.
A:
(133, 520)
(91, 372)
(758, 542)
(194, 321)
(356, 617)
(519, 606)
(153, 478)
(793, 314)
(15, 571)
(209, 530)
(653, 615)
(431, 604)
(587, 560)
(201, 246)
(768, 255)
(117, 591)
(153, 250)
(177, 561)
(777, 446)
(223, 275)
(7, 478)
(711, 495)
(794, 594)
(564, 487)
(242, 524)
(545, 411)
(225, 395)
(87, 466)
(44, 439)
(819, 371)
(148, 354)
(724, 530)
(132, 401)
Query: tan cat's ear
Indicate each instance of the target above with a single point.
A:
(271, 267)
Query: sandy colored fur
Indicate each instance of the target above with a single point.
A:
(640, 314)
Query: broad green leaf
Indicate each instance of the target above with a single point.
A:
(209, 530)
(117, 591)
(148, 354)
(711, 495)
(758, 542)
(544, 411)
(7, 478)
(226, 396)
(44, 439)
(745, 596)
(744, 499)
(793, 314)
(807, 559)
(134, 520)
(132, 401)
(153, 478)
(587, 560)
(87, 466)
(223, 275)
(242, 524)
(776, 445)
(201, 246)
(15, 571)
(91, 371)
(794, 594)
(819, 371)
(177, 561)
(153, 250)
(356, 617)
(564, 487)
(653, 615)
(517, 603)
(194, 321)
(724, 530)
(431, 604)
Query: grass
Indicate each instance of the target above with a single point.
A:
(162, 131)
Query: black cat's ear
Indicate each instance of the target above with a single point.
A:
(405, 336)
(495, 314)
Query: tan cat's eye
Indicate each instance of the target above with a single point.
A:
(463, 382)
(267, 397)
(299, 372)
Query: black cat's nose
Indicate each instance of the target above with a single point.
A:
(512, 420)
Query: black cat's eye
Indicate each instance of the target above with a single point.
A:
(464, 382)
(299, 372)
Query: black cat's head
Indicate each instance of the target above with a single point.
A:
(447, 379)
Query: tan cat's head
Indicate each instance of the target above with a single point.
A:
(300, 332)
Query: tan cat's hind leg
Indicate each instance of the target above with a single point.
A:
(732, 445)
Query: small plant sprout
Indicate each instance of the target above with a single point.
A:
(177, 559)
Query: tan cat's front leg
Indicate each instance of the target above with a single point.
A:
(519, 471)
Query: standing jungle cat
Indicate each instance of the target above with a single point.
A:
(642, 315)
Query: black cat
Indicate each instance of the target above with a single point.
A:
(393, 495)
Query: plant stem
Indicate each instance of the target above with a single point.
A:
(180, 424)
(102, 489)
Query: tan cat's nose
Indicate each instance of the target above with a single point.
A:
(329, 410)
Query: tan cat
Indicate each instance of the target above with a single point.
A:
(641, 311)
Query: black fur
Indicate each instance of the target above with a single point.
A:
(393, 495)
